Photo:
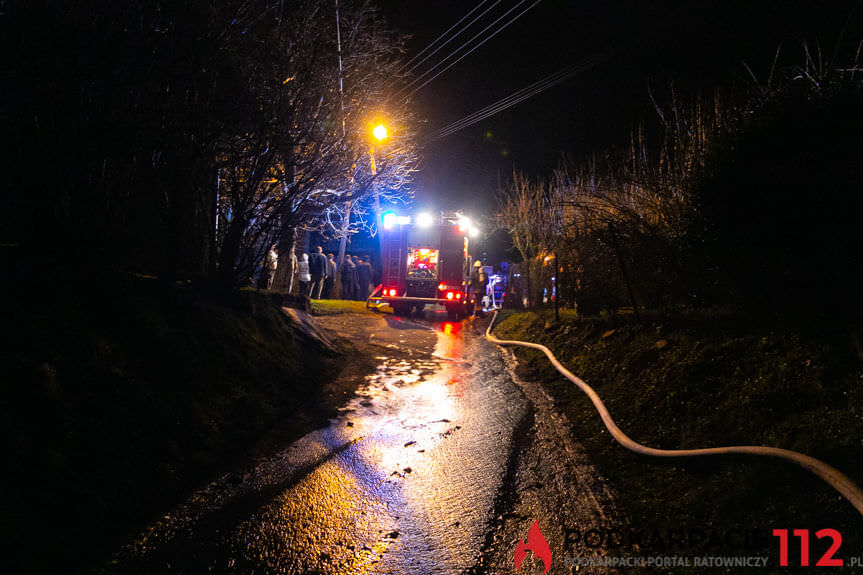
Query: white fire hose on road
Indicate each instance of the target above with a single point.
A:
(833, 476)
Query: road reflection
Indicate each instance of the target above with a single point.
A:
(385, 499)
(450, 343)
(402, 481)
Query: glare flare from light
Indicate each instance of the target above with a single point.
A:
(380, 132)
(424, 220)
(389, 220)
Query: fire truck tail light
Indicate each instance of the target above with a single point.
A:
(449, 295)
(458, 296)
(441, 287)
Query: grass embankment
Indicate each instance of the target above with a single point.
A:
(118, 401)
(338, 306)
(704, 381)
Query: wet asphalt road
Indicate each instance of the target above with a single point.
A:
(438, 465)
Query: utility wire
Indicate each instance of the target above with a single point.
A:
(471, 23)
(536, 88)
(465, 44)
(505, 103)
(519, 96)
(436, 40)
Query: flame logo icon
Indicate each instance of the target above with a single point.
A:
(536, 544)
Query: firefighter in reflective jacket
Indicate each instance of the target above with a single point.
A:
(478, 282)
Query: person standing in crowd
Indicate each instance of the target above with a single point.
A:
(349, 278)
(330, 280)
(318, 271)
(268, 271)
(478, 283)
(364, 277)
(304, 276)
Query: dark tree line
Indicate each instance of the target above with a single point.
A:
(746, 196)
(181, 139)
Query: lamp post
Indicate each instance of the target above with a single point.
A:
(380, 134)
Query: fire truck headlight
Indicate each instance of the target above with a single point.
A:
(424, 220)
(389, 219)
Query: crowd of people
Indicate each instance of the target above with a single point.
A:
(315, 275)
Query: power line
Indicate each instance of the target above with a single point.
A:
(424, 50)
(503, 103)
(538, 87)
(472, 22)
(465, 44)
(454, 52)
(519, 96)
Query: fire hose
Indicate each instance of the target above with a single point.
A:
(832, 476)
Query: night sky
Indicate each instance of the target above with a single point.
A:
(695, 44)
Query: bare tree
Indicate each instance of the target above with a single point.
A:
(297, 164)
(520, 206)
(378, 173)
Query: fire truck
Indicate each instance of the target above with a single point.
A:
(425, 261)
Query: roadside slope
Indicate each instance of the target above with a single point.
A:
(710, 381)
(118, 400)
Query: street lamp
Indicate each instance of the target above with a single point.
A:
(380, 132)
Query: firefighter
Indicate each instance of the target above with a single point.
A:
(478, 283)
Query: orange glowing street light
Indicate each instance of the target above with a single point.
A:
(380, 132)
